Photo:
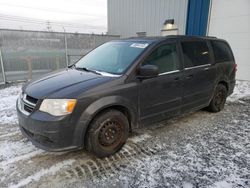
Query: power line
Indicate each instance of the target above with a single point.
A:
(26, 18)
(49, 10)
(61, 25)
(38, 21)
(33, 20)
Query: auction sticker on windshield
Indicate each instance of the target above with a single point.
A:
(139, 45)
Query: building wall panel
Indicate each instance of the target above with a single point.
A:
(126, 17)
(230, 20)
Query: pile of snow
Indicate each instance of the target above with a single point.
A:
(8, 97)
(241, 90)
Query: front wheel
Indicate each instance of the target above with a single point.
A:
(108, 133)
(218, 101)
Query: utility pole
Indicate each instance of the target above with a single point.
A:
(49, 28)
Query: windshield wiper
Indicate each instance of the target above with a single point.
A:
(87, 70)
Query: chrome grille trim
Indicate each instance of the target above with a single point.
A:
(28, 102)
(24, 104)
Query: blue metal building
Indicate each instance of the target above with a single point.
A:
(129, 17)
(225, 19)
(197, 17)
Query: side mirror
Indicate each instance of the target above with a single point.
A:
(148, 71)
(71, 65)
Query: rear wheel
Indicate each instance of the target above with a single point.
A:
(218, 101)
(108, 133)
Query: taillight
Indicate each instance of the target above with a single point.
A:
(235, 67)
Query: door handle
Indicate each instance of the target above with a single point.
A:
(190, 76)
(206, 68)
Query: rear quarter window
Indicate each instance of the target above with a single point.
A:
(222, 51)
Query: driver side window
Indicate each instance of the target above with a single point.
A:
(164, 57)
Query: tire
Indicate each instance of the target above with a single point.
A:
(107, 134)
(218, 101)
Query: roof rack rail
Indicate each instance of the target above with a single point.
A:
(211, 37)
(190, 36)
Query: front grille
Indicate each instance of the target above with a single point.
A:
(31, 99)
(28, 108)
(27, 104)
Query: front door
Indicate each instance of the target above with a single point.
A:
(160, 97)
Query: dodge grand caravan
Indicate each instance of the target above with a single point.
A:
(124, 85)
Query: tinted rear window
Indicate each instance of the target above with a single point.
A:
(195, 53)
(222, 51)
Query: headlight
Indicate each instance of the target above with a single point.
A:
(58, 107)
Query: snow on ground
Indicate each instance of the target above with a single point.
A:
(241, 90)
(8, 97)
(9, 150)
(35, 177)
(140, 138)
(197, 150)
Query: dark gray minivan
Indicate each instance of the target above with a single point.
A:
(123, 85)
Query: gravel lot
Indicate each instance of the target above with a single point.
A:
(198, 149)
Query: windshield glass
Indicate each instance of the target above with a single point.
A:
(112, 57)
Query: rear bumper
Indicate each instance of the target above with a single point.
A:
(48, 132)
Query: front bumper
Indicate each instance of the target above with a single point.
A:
(48, 132)
(231, 87)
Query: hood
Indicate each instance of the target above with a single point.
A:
(57, 81)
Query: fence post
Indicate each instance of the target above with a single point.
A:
(1, 61)
(29, 62)
(66, 47)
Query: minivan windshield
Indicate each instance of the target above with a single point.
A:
(112, 57)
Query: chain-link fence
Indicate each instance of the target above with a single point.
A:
(29, 54)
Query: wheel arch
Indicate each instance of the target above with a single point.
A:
(220, 81)
(223, 82)
(112, 102)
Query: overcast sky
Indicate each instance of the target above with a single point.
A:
(88, 16)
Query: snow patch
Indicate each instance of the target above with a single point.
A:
(187, 185)
(37, 176)
(223, 184)
(8, 97)
(235, 121)
(241, 90)
(5, 164)
(230, 182)
(10, 150)
(9, 134)
(140, 138)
